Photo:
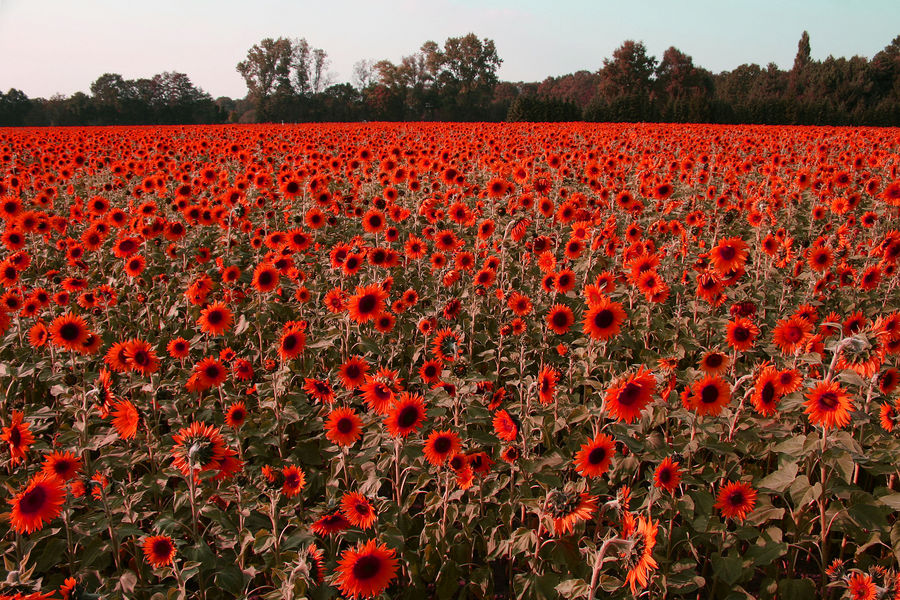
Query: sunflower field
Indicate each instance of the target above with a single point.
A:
(453, 361)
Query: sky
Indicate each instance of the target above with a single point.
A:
(61, 46)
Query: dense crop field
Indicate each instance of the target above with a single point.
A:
(450, 361)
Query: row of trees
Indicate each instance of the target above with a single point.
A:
(166, 98)
(634, 86)
(289, 80)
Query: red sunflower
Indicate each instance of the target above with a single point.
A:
(377, 395)
(367, 303)
(159, 550)
(343, 426)
(667, 475)
(215, 319)
(236, 415)
(604, 319)
(627, 399)
(828, 405)
(140, 357)
(566, 508)
(291, 344)
(294, 481)
(791, 333)
(560, 319)
(40, 501)
(357, 509)
(69, 332)
(62, 465)
(209, 373)
(366, 570)
(736, 500)
(710, 395)
(729, 255)
(595, 457)
(547, 379)
(198, 447)
(446, 345)
(505, 427)
(406, 415)
(329, 524)
(440, 446)
(353, 372)
(766, 394)
(265, 278)
(18, 435)
(125, 419)
(741, 334)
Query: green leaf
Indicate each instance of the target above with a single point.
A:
(573, 588)
(895, 539)
(797, 589)
(892, 500)
(812, 494)
(780, 479)
(230, 578)
(728, 568)
(127, 581)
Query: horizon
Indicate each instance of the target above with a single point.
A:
(205, 40)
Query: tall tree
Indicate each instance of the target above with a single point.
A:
(464, 72)
(309, 68)
(803, 52)
(267, 67)
(630, 72)
(363, 74)
(677, 77)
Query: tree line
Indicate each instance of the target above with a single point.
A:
(288, 80)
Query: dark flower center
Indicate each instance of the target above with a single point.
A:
(442, 445)
(828, 400)
(709, 395)
(408, 417)
(162, 548)
(69, 332)
(714, 360)
(768, 393)
(603, 319)
(726, 253)
(629, 394)
(597, 456)
(367, 304)
(290, 342)
(34, 501)
(366, 567)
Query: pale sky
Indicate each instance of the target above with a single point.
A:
(61, 46)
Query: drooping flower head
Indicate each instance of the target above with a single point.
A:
(626, 399)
